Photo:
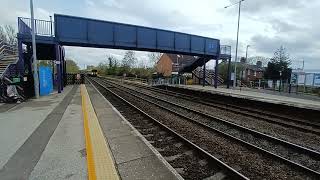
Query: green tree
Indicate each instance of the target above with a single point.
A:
(72, 66)
(223, 69)
(129, 59)
(113, 66)
(45, 63)
(255, 59)
(128, 62)
(154, 57)
(280, 62)
(8, 35)
(3, 36)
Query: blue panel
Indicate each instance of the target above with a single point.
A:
(100, 32)
(197, 44)
(165, 40)
(45, 80)
(78, 31)
(125, 35)
(71, 28)
(212, 46)
(182, 42)
(147, 38)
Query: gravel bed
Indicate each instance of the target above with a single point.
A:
(284, 151)
(288, 134)
(289, 111)
(253, 164)
(188, 164)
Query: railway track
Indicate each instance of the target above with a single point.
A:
(191, 161)
(304, 153)
(291, 122)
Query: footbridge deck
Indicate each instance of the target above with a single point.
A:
(78, 31)
(85, 32)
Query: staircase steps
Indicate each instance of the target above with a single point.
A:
(210, 76)
(8, 56)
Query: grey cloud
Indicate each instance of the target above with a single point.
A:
(255, 6)
(147, 14)
(298, 48)
(283, 26)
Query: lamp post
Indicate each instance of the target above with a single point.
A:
(235, 65)
(35, 65)
(245, 65)
(247, 52)
(280, 83)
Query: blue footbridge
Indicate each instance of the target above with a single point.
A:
(51, 37)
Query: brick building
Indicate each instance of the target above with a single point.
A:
(253, 72)
(170, 64)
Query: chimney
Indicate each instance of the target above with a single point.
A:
(259, 64)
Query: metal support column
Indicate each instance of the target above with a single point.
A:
(62, 67)
(229, 73)
(58, 62)
(204, 72)
(216, 75)
(21, 59)
(65, 73)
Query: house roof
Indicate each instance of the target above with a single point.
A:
(253, 67)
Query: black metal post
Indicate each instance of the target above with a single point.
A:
(216, 74)
(229, 73)
(204, 72)
(58, 62)
(21, 69)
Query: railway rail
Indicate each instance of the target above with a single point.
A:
(302, 152)
(292, 122)
(191, 161)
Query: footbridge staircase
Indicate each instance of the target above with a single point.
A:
(9, 61)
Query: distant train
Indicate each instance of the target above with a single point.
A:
(93, 73)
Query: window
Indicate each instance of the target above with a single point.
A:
(248, 72)
(255, 73)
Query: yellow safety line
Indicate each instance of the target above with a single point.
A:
(100, 162)
(90, 162)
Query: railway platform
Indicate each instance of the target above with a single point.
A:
(258, 96)
(74, 135)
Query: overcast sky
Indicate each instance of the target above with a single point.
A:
(265, 24)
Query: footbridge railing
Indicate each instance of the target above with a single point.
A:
(42, 27)
(225, 52)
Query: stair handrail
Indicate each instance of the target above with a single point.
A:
(8, 66)
(196, 72)
(209, 75)
(7, 49)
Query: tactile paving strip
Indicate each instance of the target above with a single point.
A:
(99, 159)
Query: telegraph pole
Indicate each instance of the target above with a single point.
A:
(235, 61)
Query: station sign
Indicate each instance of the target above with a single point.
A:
(316, 80)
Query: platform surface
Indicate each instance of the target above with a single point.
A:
(259, 96)
(45, 139)
(133, 157)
